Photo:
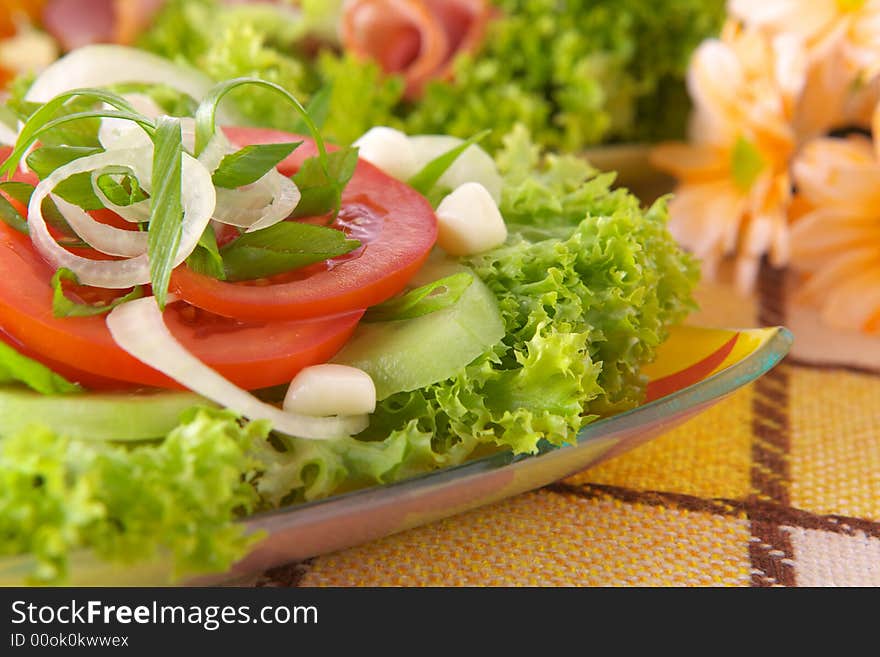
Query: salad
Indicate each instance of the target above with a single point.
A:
(574, 73)
(202, 319)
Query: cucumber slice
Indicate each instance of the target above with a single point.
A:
(410, 354)
(96, 416)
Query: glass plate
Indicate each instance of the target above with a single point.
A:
(696, 368)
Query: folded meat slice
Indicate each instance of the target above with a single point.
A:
(76, 23)
(418, 39)
(464, 22)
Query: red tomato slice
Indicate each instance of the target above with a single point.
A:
(250, 354)
(396, 225)
(85, 379)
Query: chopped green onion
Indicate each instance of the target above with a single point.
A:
(43, 117)
(12, 162)
(166, 209)
(206, 113)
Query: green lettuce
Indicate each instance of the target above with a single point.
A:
(129, 504)
(588, 285)
(18, 369)
(574, 73)
(240, 41)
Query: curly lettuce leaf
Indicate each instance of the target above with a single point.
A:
(588, 284)
(363, 96)
(597, 258)
(128, 504)
(575, 74)
(240, 41)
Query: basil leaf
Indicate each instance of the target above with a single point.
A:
(321, 187)
(285, 246)
(206, 258)
(123, 193)
(43, 122)
(251, 163)
(423, 300)
(425, 179)
(64, 307)
(16, 368)
(78, 188)
(166, 208)
(318, 108)
(21, 192)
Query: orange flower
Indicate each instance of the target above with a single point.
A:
(835, 96)
(842, 41)
(823, 25)
(734, 186)
(836, 243)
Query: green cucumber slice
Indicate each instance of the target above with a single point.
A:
(96, 416)
(411, 354)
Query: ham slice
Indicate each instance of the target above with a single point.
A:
(464, 22)
(418, 39)
(76, 23)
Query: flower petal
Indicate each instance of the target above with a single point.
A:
(690, 163)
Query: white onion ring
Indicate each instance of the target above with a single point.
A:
(138, 328)
(109, 239)
(270, 200)
(121, 133)
(104, 65)
(106, 239)
(198, 199)
(118, 134)
(266, 202)
(136, 213)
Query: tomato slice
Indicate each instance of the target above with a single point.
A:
(85, 379)
(395, 224)
(250, 354)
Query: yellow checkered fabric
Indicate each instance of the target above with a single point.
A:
(777, 485)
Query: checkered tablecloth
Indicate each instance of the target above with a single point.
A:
(778, 485)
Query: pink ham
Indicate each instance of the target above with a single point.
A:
(418, 39)
(76, 23)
